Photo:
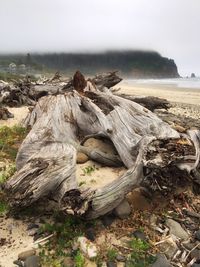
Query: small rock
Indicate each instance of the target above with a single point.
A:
(32, 261)
(90, 234)
(81, 158)
(138, 200)
(195, 254)
(33, 231)
(161, 261)
(176, 229)
(168, 247)
(89, 263)
(196, 265)
(188, 245)
(25, 254)
(18, 263)
(179, 128)
(197, 235)
(32, 225)
(139, 235)
(111, 264)
(108, 219)
(120, 258)
(68, 262)
(87, 247)
(123, 210)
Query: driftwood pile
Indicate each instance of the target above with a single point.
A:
(148, 149)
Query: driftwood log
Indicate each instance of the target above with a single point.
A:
(149, 102)
(60, 124)
(25, 92)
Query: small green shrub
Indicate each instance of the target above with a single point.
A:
(111, 254)
(89, 169)
(79, 259)
(139, 256)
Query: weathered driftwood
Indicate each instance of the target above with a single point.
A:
(46, 161)
(149, 102)
(27, 93)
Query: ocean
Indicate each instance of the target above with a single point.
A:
(189, 83)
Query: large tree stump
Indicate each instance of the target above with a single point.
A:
(46, 161)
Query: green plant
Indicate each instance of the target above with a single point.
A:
(6, 172)
(82, 183)
(111, 254)
(139, 256)
(79, 259)
(61, 243)
(10, 139)
(89, 169)
(3, 207)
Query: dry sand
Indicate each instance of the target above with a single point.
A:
(181, 95)
(19, 115)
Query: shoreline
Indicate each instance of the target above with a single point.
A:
(170, 92)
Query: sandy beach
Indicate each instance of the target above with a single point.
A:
(169, 92)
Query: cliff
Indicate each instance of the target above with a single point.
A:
(134, 64)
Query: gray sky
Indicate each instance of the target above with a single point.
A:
(170, 27)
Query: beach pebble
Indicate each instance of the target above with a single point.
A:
(197, 235)
(168, 247)
(120, 258)
(108, 219)
(32, 226)
(81, 158)
(87, 247)
(18, 263)
(176, 229)
(25, 254)
(195, 254)
(90, 234)
(111, 264)
(32, 261)
(161, 261)
(123, 210)
(68, 262)
(139, 235)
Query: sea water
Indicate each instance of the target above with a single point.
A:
(189, 83)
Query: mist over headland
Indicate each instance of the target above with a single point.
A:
(65, 26)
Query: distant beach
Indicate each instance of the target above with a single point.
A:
(181, 90)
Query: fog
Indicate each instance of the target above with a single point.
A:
(167, 26)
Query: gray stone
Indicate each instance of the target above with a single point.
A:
(18, 263)
(197, 235)
(32, 225)
(169, 248)
(196, 265)
(111, 264)
(176, 229)
(25, 254)
(32, 261)
(161, 261)
(108, 219)
(139, 235)
(123, 210)
(195, 254)
(68, 262)
(120, 258)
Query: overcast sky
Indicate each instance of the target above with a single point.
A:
(170, 27)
